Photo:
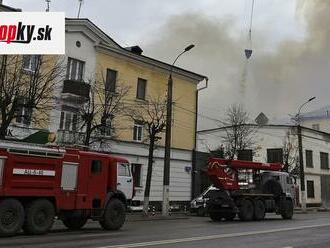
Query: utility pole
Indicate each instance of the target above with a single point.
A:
(48, 5)
(167, 155)
(301, 158)
(301, 169)
(80, 3)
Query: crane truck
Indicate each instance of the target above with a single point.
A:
(39, 183)
(249, 190)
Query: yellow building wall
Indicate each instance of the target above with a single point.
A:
(184, 97)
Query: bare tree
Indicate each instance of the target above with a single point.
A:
(97, 114)
(290, 154)
(239, 134)
(27, 85)
(152, 115)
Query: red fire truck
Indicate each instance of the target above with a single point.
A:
(38, 183)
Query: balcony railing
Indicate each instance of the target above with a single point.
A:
(77, 88)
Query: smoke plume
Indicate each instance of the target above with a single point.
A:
(274, 81)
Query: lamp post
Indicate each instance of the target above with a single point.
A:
(301, 161)
(167, 155)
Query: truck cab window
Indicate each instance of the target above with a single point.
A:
(124, 170)
(96, 166)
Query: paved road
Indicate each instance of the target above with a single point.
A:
(306, 230)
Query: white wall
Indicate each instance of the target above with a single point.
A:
(86, 52)
(180, 180)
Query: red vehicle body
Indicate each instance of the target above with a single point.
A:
(38, 183)
(249, 189)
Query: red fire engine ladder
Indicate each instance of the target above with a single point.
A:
(31, 149)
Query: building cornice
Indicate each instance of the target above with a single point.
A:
(164, 67)
(106, 44)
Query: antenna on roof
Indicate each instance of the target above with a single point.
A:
(48, 5)
(80, 3)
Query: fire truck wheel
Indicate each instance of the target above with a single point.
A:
(246, 210)
(39, 217)
(287, 209)
(11, 217)
(259, 210)
(114, 215)
(74, 223)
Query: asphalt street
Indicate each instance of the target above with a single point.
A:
(305, 230)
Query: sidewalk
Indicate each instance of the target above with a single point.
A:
(311, 210)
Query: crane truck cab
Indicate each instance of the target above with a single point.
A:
(249, 190)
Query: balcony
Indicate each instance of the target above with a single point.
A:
(75, 90)
(70, 137)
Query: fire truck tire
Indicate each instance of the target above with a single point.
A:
(114, 215)
(259, 210)
(74, 223)
(39, 217)
(11, 217)
(287, 209)
(246, 210)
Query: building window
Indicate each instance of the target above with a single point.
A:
(138, 131)
(245, 155)
(68, 121)
(30, 63)
(324, 157)
(310, 189)
(137, 174)
(275, 155)
(111, 78)
(309, 159)
(141, 89)
(316, 127)
(23, 112)
(75, 69)
(106, 128)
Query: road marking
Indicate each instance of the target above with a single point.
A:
(201, 238)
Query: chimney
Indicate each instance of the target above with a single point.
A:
(133, 49)
(0, 1)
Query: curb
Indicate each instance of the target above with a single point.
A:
(135, 217)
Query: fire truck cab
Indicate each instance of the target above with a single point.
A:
(38, 183)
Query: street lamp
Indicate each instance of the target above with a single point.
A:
(301, 161)
(167, 156)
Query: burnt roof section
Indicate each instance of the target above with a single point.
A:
(135, 49)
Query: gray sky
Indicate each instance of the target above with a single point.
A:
(290, 53)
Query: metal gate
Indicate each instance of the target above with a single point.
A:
(325, 190)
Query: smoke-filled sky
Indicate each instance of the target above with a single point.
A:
(290, 42)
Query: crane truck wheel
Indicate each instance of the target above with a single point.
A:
(230, 216)
(11, 217)
(259, 210)
(287, 209)
(215, 216)
(246, 210)
(74, 222)
(114, 215)
(39, 217)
